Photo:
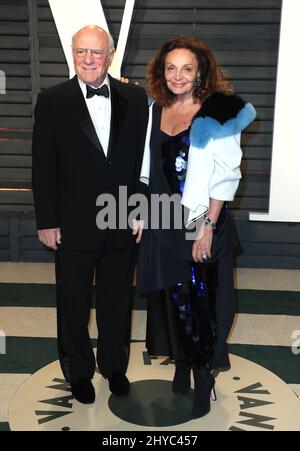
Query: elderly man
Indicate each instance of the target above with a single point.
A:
(88, 140)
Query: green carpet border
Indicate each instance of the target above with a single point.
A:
(28, 355)
(248, 301)
(4, 426)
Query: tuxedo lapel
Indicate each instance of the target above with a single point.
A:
(80, 110)
(118, 111)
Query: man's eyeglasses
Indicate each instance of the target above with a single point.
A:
(97, 54)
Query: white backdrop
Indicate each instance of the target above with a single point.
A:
(285, 170)
(284, 203)
(71, 15)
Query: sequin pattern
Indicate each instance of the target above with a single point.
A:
(186, 296)
(190, 298)
(175, 156)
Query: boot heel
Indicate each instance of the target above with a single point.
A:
(213, 395)
(203, 388)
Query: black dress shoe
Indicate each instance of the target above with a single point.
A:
(118, 384)
(83, 391)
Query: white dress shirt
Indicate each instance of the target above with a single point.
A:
(100, 111)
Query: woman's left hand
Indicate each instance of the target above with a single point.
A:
(202, 247)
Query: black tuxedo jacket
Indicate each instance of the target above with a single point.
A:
(70, 169)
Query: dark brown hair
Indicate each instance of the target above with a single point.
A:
(212, 75)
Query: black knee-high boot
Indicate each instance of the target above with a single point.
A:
(204, 383)
(182, 378)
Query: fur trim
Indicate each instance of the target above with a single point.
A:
(221, 116)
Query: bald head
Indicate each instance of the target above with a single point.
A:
(94, 29)
(93, 52)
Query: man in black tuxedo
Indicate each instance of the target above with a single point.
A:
(89, 141)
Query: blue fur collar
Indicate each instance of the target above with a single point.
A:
(220, 116)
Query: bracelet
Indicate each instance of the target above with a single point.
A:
(208, 222)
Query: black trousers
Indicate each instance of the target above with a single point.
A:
(75, 270)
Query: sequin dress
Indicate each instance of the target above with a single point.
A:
(193, 313)
(184, 320)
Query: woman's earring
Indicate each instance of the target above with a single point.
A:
(197, 81)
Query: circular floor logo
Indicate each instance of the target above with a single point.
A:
(249, 397)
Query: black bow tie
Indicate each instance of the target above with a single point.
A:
(103, 91)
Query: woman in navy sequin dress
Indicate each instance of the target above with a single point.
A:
(193, 151)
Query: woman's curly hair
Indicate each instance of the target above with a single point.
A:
(212, 75)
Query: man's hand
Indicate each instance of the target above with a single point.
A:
(137, 229)
(50, 237)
